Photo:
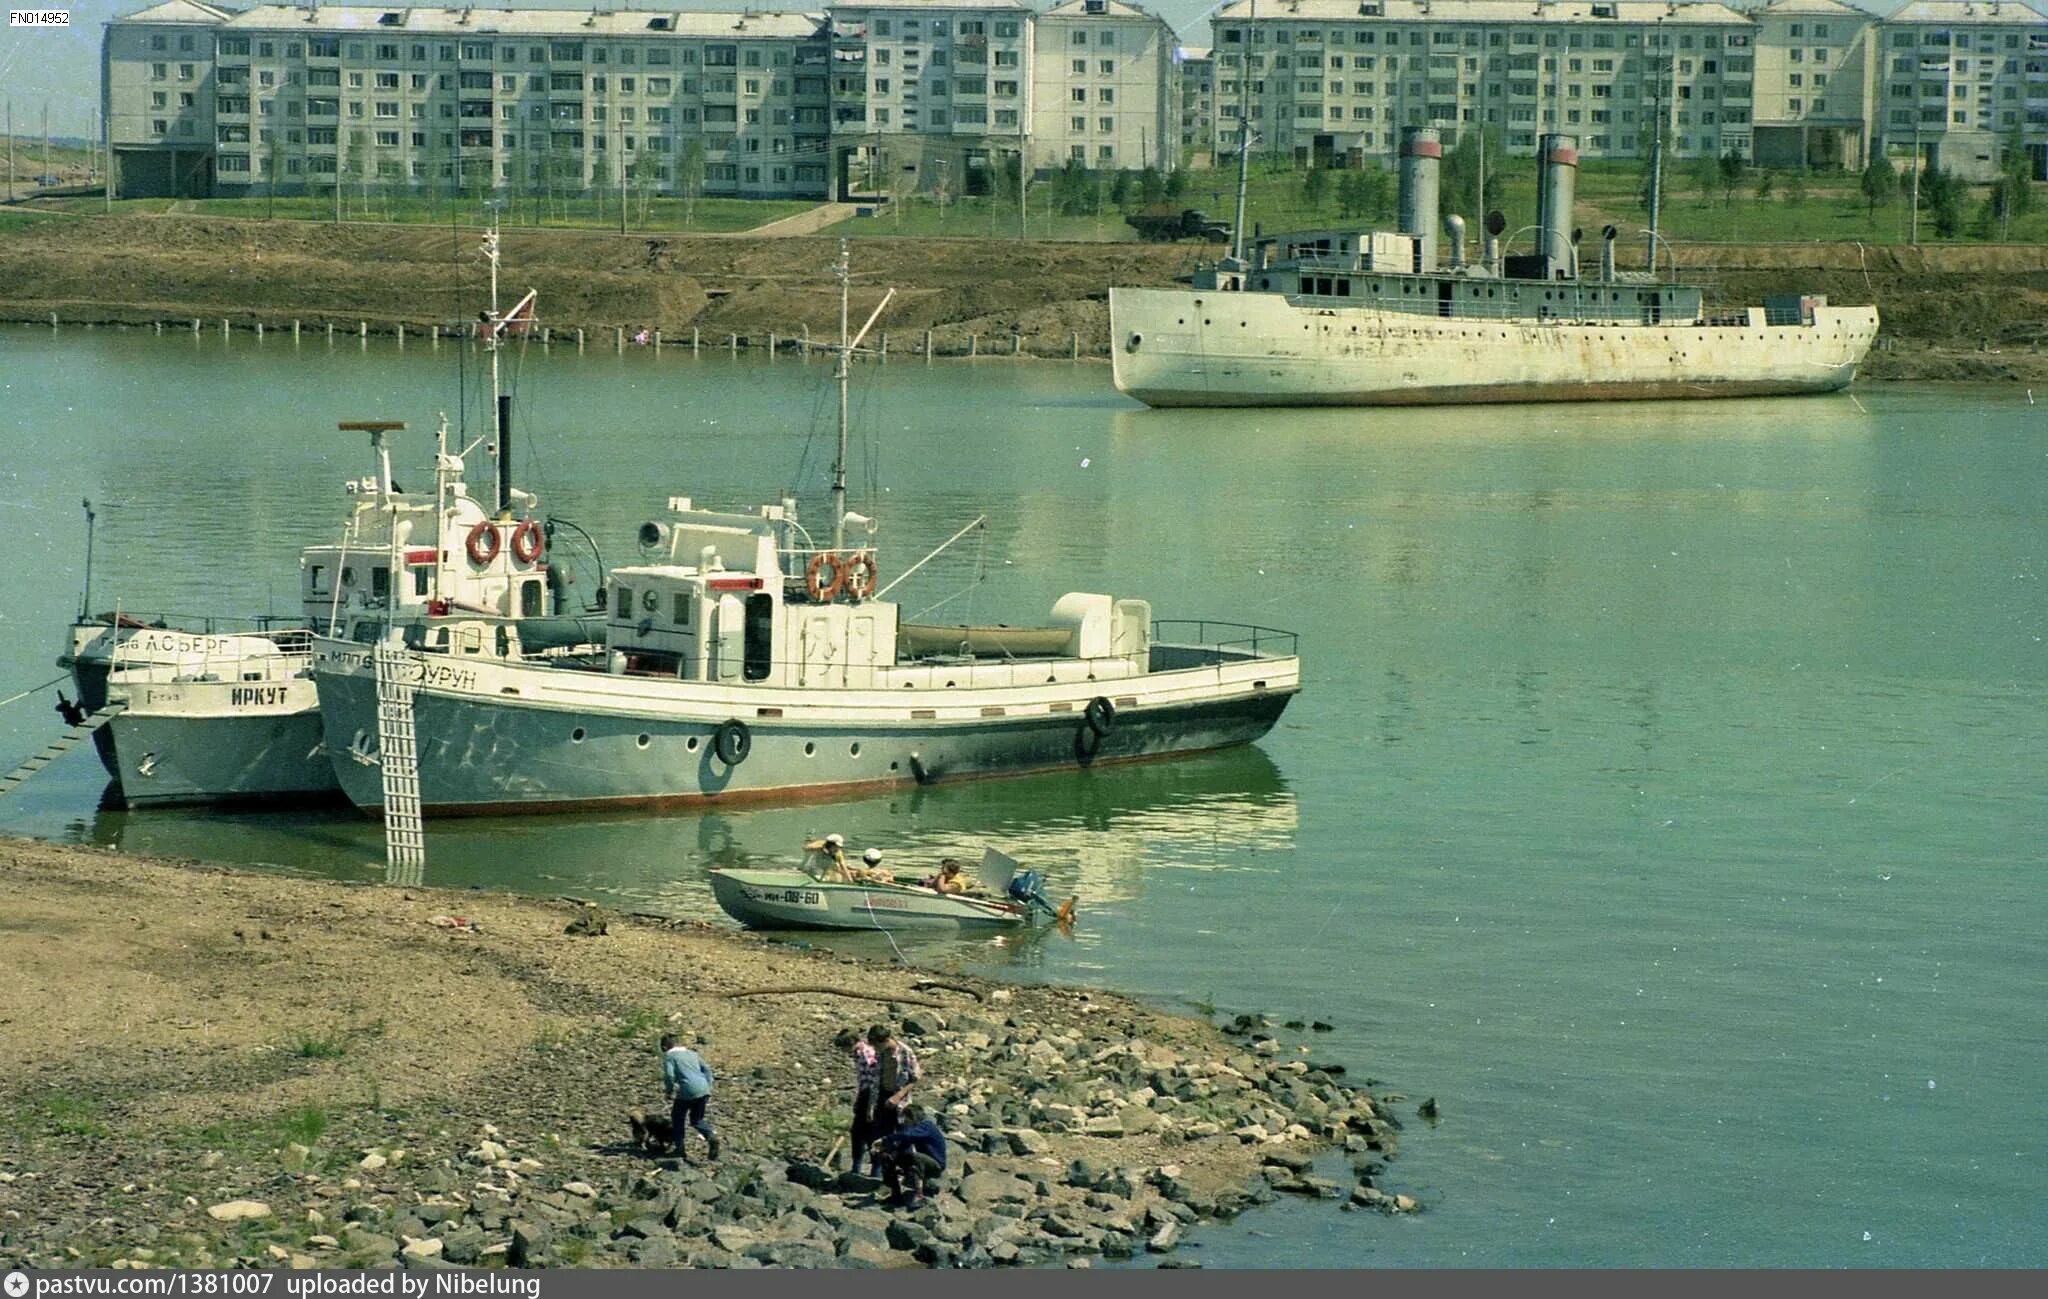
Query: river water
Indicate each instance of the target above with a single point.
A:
(1665, 797)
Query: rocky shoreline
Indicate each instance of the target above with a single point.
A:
(250, 1070)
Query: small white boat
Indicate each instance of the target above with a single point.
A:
(794, 898)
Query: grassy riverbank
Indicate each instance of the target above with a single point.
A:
(176, 1039)
(1967, 312)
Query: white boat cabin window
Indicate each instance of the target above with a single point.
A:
(760, 636)
(380, 583)
(684, 599)
(529, 599)
(422, 578)
(624, 604)
(316, 579)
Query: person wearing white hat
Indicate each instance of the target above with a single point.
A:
(833, 848)
(871, 869)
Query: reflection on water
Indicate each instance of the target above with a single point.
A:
(1098, 834)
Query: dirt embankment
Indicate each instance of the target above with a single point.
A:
(1950, 312)
(201, 1066)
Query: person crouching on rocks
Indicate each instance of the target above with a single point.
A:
(911, 1157)
(687, 1080)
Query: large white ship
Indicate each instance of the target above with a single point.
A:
(1350, 317)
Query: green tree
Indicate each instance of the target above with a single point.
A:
(1766, 181)
(1731, 168)
(1120, 189)
(1795, 189)
(1706, 177)
(1151, 187)
(690, 178)
(1176, 183)
(1880, 182)
(1947, 201)
(1315, 188)
(274, 167)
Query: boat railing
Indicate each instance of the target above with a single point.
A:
(293, 659)
(265, 624)
(1243, 638)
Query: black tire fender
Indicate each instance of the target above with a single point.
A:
(1101, 715)
(732, 742)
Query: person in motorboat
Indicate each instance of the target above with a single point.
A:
(870, 870)
(833, 849)
(949, 881)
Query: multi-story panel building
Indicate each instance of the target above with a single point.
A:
(930, 93)
(522, 99)
(1197, 80)
(157, 95)
(1324, 80)
(1815, 79)
(1963, 81)
(1102, 93)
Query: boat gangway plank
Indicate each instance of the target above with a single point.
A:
(62, 745)
(405, 841)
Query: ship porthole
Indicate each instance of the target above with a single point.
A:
(810, 749)
(691, 744)
(1135, 340)
(853, 750)
(578, 735)
(643, 739)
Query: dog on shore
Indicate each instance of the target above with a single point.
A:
(653, 1133)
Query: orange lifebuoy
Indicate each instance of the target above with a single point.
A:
(528, 542)
(861, 575)
(814, 576)
(483, 543)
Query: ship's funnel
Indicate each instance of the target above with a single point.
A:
(1607, 235)
(1454, 226)
(1422, 152)
(1556, 188)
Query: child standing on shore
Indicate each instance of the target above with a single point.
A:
(686, 1079)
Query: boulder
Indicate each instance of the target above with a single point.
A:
(1165, 1240)
(464, 1245)
(238, 1211)
(1299, 1161)
(530, 1243)
(428, 1247)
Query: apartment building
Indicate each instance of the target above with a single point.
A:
(921, 95)
(292, 98)
(1331, 80)
(1102, 88)
(1962, 81)
(1197, 106)
(1815, 84)
(931, 94)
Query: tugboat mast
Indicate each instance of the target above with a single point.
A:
(843, 269)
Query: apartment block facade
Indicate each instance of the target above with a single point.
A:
(1791, 83)
(924, 95)
(1103, 88)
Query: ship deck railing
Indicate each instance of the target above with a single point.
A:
(203, 624)
(1224, 640)
(293, 659)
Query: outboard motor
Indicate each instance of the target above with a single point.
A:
(1026, 887)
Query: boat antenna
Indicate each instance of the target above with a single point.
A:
(1244, 143)
(843, 269)
(501, 404)
(85, 596)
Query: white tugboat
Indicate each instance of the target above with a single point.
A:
(1349, 317)
(748, 660)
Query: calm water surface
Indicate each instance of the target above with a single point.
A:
(1665, 797)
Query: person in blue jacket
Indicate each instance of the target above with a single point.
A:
(911, 1155)
(686, 1078)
